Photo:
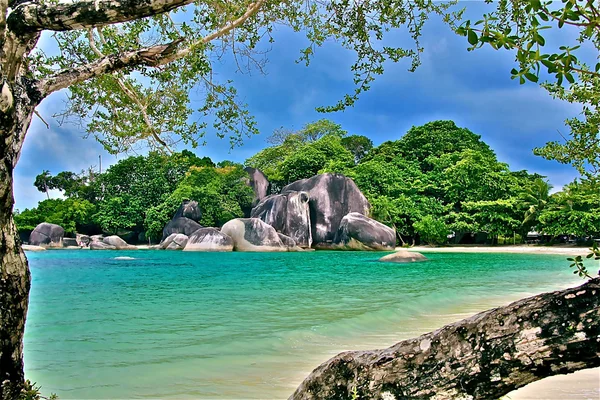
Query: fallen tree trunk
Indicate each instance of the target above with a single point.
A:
(482, 357)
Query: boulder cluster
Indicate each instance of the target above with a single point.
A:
(327, 211)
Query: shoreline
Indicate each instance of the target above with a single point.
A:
(514, 249)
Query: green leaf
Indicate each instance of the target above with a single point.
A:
(531, 77)
(472, 37)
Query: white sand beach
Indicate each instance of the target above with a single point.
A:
(520, 249)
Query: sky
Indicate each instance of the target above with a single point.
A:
(474, 89)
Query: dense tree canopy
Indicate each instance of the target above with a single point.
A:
(424, 188)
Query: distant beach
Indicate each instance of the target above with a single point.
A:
(522, 249)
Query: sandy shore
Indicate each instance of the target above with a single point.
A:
(523, 249)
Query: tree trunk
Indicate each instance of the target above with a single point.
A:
(15, 117)
(482, 357)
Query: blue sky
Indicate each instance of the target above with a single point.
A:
(472, 88)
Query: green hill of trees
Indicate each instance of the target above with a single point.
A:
(435, 181)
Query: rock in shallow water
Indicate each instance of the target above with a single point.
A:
(357, 232)
(209, 239)
(252, 234)
(403, 256)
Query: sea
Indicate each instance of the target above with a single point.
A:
(149, 324)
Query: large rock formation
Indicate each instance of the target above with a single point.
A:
(357, 232)
(49, 235)
(403, 256)
(259, 184)
(331, 197)
(252, 234)
(209, 239)
(289, 214)
(175, 241)
(180, 225)
(189, 209)
(118, 243)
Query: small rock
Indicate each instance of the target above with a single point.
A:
(97, 245)
(403, 256)
(175, 241)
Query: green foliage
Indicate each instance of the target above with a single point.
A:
(31, 391)
(119, 213)
(575, 210)
(43, 181)
(222, 194)
(578, 263)
(73, 214)
(358, 145)
(432, 230)
(436, 139)
(521, 26)
(316, 148)
(314, 156)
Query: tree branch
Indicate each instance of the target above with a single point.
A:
(36, 16)
(482, 357)
(153, 56)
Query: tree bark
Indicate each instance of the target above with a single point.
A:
(16, 110)
(482, 357)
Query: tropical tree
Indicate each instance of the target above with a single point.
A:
(358, 145)
(564, 69)
(535, 197)
(43, 182)
(573, 211)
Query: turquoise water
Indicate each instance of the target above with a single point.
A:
(243, 325)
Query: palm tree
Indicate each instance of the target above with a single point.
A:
(535, 196)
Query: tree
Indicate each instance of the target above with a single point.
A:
(43, 182)
(358, 145)
(573, 211)
(520, 26)
(74, 215)
(535, 196)
(432, 230)
(221, 193)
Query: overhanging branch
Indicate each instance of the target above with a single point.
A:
(153, 56)
(31, 16)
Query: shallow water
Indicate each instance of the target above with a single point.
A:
(244, 325)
